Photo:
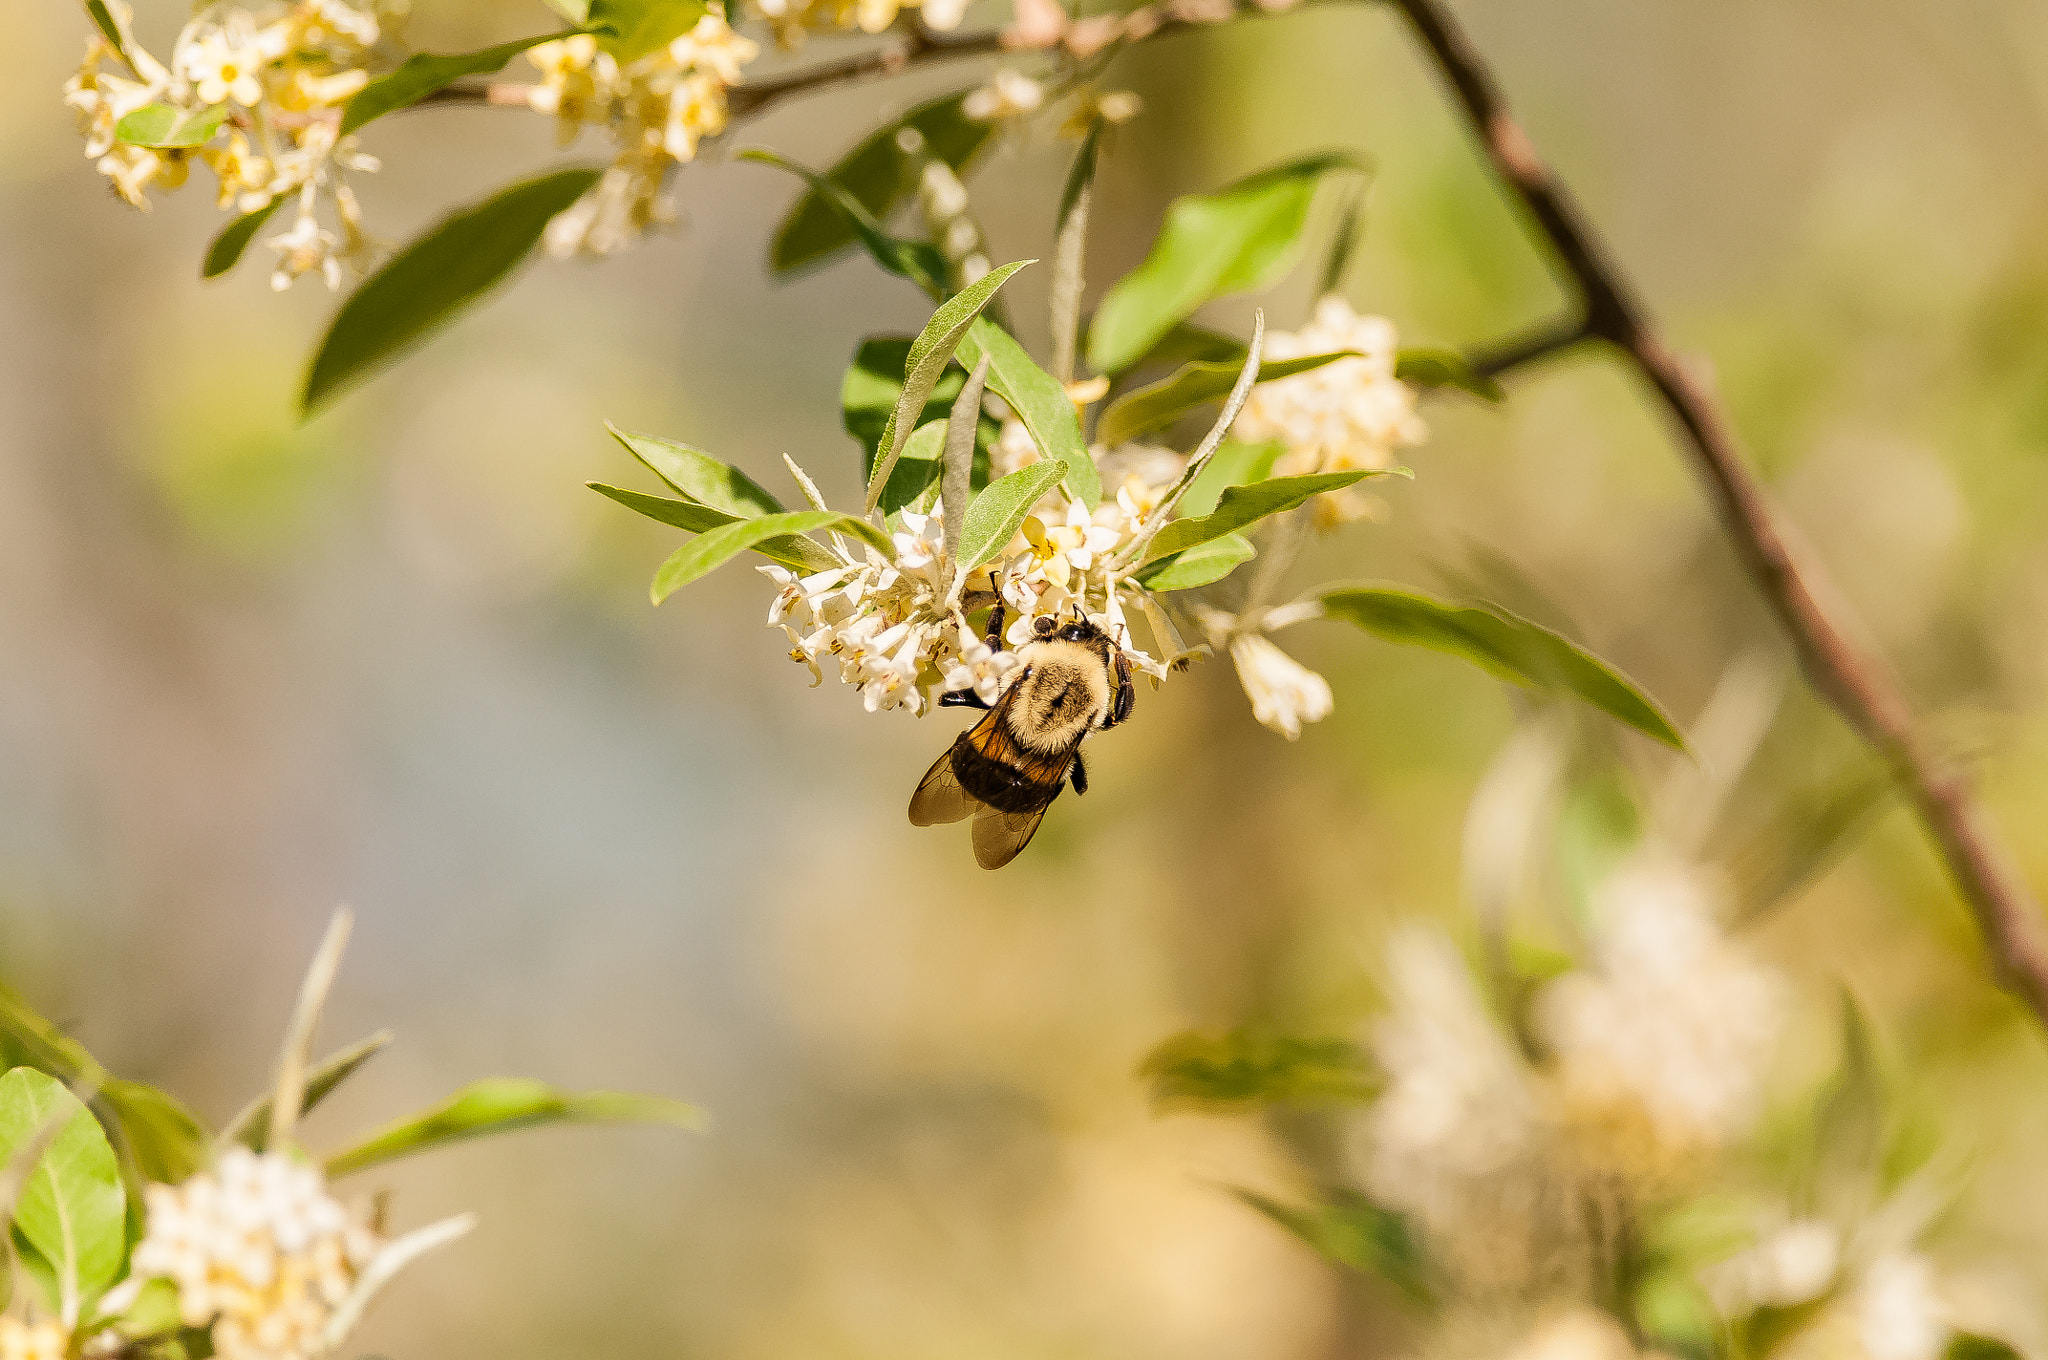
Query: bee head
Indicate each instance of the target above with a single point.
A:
(1045, 626)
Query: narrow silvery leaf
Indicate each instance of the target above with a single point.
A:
(998, 512)
(1193, 386)
(1069, 252)
(1202, 565)
(959, 465)
(384, 1267)
(698, 475)
(426, 284)
(1350, 226)
(1238, 238)
(1040, 402)
(1235, 463)
(1240, 507)
(501, 1105)
(804, 484)
(251, 1127)
(103, 19)
(422, 73)
(929, 354)
(234, 238)
(1507, 645)
(918, 261)
(713, 549)
(1199, 460)
(289, 1098)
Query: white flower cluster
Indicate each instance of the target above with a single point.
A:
(258, 1248)
(1661, 1045)
(283, 71)
(794, 20)
(1651, 1058)
(657, 109)
(898, 633)
(1352, 413)
(21, 1340)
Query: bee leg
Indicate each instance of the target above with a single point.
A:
(995, 629)
(1126, 694)
(1078, 773)
(962, 698)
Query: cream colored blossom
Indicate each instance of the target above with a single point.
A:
(43, 1340)
(1284, 693)
(257, 1249)
(226, 64)
(657, 110)
(1351, 413)
(1899, 1311)
(1792, 1264)
(1011, 94)
(1661, 1045)
(1462, 1139)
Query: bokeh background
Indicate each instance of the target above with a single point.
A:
(399, 657)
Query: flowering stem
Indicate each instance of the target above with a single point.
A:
(1838, 662)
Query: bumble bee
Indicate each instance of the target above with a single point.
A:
(1006, 769)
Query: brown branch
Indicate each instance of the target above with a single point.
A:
(1852, 676)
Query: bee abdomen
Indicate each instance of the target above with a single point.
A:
(1001, 786)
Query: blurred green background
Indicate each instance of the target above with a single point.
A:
(399, 657)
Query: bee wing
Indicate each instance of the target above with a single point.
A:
(939, 797)
(999, 836)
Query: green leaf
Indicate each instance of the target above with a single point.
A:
(929, 354)
(879, 176)
(72, 1208)
(422, 73)
(1672, 1311)
(919, 261)
(791, 550)
(1971, 1346)
(1760, 1333)
(630, 29)
(1249, 1067)
(154, 1312)
(1506, 644)
(46, 1048)
(226, 250)
(165, 1139)
(1240, 506)
(1194, 386)
(164, 127)
(1355, 1233)
(451, 266)
(1039, 401)
(1343, 243)
(576, 12)
(713, 549)
(1428, 368)
(994, 516)
(251, 1128)
(1187, 343)
(699, 476)
(869, 393)
(103, 19)
(1202, 565)
(1241, 237)
(1235, 464)
(1081, 174)
(501, 1105)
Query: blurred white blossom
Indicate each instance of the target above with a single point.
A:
(1662, 1043)
(1461, 1140)
(1010, 94)
(1792, 1264)
(259, 1249)
(21, 1340)
(1899, 1311)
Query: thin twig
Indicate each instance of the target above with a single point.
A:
(1840, 664)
